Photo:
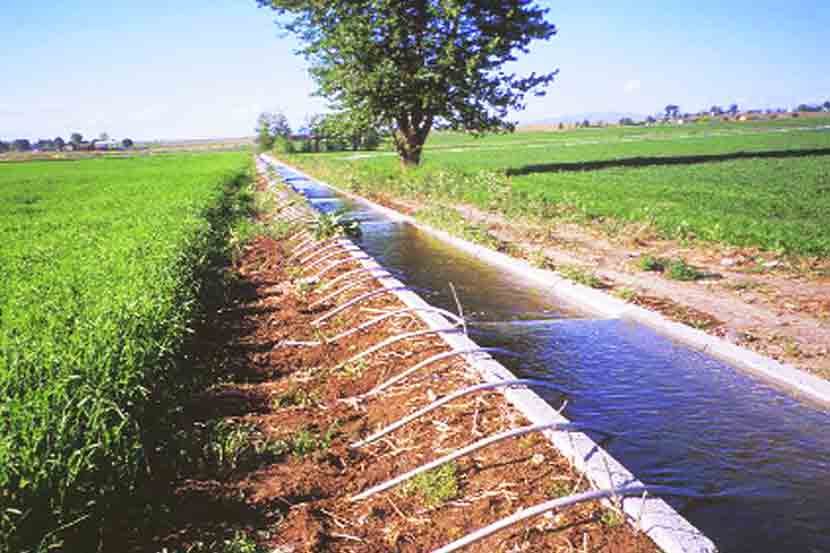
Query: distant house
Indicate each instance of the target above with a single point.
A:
(108, 144)
(72, 147)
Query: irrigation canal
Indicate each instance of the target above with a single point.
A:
(678, 417)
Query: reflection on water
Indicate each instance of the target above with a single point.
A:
(680, 417)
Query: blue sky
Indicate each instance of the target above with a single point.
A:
(197, 69)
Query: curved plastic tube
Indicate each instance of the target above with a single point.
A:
(401, 337)
(434, 359)
(560, 503)
(351, 273)
(501, 436)
(337, 263)
(452, 316)
(400, 423)
(342, 251)
(306, 246)
(351, 286)
(368, 295)
(314, 253)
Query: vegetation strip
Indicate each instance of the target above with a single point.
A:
(102, 269)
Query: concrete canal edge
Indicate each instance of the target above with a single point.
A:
(663, 524)
(794, 381)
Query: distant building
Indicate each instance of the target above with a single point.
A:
(108, 144)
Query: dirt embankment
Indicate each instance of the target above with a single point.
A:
(776, 305)
(263, 460)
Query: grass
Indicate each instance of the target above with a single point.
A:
(103, 264)
(778, 204)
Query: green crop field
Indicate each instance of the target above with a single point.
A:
(101, 265)
(762, 184)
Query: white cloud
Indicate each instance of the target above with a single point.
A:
(632, 85)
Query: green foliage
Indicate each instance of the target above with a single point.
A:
(675, 269)
(581, 276)
(612, 518)
(450, 220)
(678, 269)
(296, 397)
(241, 542)
(435, 487)
(776, 204)
(102, 266)
(271, 127)
(231, 446)
(309, 440)
(413, 64)
(651, 263)
(330, 225)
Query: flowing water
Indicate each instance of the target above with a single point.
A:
(678, 417)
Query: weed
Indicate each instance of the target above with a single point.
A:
(309, 440)
(541, 261)
(354, 369)
(626, 294)
(678, 269)
(232, 446)
(652, 263)
(330, 225)
(581, 276)
(296, 397)
(559, 488)
(241, 542)
(611, 518)
(435, 487)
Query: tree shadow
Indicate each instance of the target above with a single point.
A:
(596, 165)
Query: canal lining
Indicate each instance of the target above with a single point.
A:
(794, 381)
(656, 518)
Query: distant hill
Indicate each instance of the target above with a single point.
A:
(593, 117)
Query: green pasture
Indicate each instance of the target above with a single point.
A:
(745, 184)
(101, 266)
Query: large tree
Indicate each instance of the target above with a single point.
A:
(269, 127)
(412, 65)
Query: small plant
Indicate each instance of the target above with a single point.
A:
(678, 269)
(308, 440)
(539, 260)
(581, 276)
(435, 487)
(354, 369)
(296, 397)
(330, 225)
(239, 543)
(232, 446)
(611, 518)
(304, 288)
(559, 488)
(652, 263)
(626, 294)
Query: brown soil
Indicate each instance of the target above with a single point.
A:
(288, 501)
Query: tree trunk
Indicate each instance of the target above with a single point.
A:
(410, 139)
